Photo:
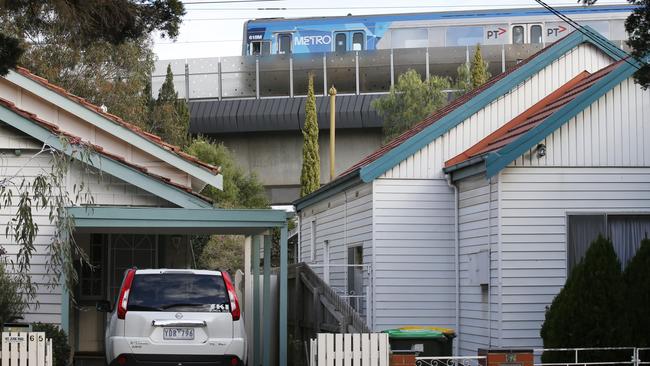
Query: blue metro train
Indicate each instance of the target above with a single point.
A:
(415, 30)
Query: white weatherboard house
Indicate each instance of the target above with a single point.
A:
(146, 205)
(471, 219)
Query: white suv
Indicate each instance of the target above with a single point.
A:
(175, 317)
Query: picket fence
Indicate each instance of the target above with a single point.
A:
(26, 349)
(349, 349)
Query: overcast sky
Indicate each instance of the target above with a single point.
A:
(215, 28)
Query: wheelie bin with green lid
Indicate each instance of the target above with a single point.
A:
(425, 341)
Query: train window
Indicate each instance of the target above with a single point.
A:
(600, 26)
(536, 34)
(518, 34)
(357, 41)
(409, 38)
(260, 48)
(341, 42)
(464, 36)
(284, 43)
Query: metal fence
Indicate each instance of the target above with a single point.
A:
(356, 72)
(594, 356)
(451, 361)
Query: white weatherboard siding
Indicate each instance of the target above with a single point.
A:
(478, 228)
(613, 131)
(534, 204)
(106, 190)
(414, 253)
(428, 162)
(344, 220)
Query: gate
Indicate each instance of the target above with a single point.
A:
(26, 348)
(349, 349)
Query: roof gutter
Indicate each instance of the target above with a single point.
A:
(329, 190)
(467, 168)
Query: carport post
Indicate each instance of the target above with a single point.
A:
(284, 259)
(266, 356)
(256, 299)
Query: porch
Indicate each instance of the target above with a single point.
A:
(118, 238)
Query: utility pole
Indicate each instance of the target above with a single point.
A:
(332, 132)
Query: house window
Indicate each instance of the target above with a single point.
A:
(625, 231)
(312, 241)
(91, 283)
(355, 276)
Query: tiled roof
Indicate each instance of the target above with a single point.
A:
(113, 118)
(433, 118)
(534, 116)
(76, 140)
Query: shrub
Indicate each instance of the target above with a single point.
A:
(12, 303)
(637, 297)
(587, 311)
(60, 346)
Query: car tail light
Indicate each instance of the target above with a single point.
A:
(123, 300)
(234, 302)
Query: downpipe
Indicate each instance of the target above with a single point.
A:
(457, 262)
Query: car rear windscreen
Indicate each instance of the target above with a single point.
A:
(178, 292)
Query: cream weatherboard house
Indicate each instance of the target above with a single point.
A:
(472, 219)
(146, 204)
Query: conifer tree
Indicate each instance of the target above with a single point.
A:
(587, 311)
(310, 174)
(170, 118)
(463, 82)
(479, 69)
(637, 297)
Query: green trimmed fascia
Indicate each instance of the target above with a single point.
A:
(160, 217)
(500, 88)
(105, 164)
(114, 129)
(497, 160)
(328, 191)
(466, 169)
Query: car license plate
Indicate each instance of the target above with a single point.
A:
(178, 333)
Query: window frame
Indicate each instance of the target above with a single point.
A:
(363, 39)
(97, 274)
(278, 36)
(345, 41)
(523, 33)
(312, 241)
(605, 214)
(261, 43)
(541, 33)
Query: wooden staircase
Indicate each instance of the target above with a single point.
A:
(314, 307)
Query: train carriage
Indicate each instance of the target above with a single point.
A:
(417, 30)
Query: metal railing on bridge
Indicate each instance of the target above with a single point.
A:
(357, 72)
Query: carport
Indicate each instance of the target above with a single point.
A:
(255, 225)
